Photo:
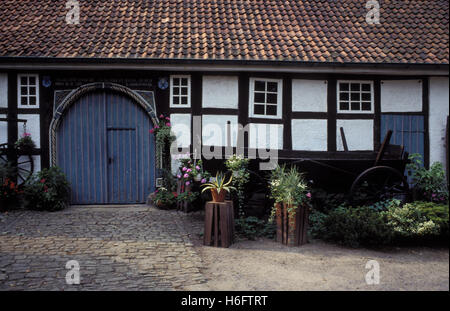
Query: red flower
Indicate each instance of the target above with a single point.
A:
(152, 130)
(43, 180)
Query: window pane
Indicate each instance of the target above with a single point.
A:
(259, 109)
(184, 91)
(356, 106)
(344, 87)
(23, 81)
(260, 86)
(343, 96)
(343, 106)
(272, 98)
(365, 96)
(356, 96)
(176, 100)
(272, 86)
(271, 110)
(176, 81)
(355, 87)
(23, 101)
(184, 100)
(259, 97)
(32, 101)
(23, 90)
(366, 106)
(32, 80)
(365, 87)
(184, 81)
(32, 90)
(176, 91)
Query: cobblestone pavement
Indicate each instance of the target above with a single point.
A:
(126, 248)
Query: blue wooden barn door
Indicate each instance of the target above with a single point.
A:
(408, 131)
(105, 149)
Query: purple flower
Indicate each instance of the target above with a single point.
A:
(161, 116)
(156, 126)
(26, 134)
(167, 124)
(197, 168)
(178, 176)
(167, 118)
(203, 180)
(188, 183)
(433, 195)
(188, 170)
(308, 194)
(184, 169)
(186, 175)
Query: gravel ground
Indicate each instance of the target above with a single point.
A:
(267, 265)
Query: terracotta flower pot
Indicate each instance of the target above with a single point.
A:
(218, 196)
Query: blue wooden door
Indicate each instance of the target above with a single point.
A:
(408, 131)
(106, 151)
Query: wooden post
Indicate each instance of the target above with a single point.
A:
(219, 222)
(291, 228)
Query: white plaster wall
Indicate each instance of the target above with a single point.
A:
(309, 95)
(181, 128)
(439, 102)
(214, 129)
(269, 136)
(220, 92)
(33, 127)
(309, 135)
(36, 162)
(3, 130)
(358, 133)
(3, 90)
(401, 95)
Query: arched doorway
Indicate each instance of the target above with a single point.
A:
(103, 145)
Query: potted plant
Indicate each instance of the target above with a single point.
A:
(25, 144)
(291, 195)
(219, 186)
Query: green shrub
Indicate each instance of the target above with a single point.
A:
(253, 227)
(317, 223)
(429, 185)
(47, 190)
(417, 220)
(361, 226)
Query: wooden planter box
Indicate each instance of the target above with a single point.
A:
(291, 229)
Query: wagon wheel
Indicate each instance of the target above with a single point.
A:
(379, 183)
(24, 167)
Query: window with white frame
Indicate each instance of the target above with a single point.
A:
(28, 91)
(180, 91)
(265, 98)
(355, 96)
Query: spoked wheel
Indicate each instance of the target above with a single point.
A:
(379, 183)
(23, 168)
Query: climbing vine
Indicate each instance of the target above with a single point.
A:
(164, 138)
(241, 176)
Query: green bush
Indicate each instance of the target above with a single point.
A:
(354, 227)
(417, 220)
(47, 190)
(253, 227)
(429, 185)
(316, 226)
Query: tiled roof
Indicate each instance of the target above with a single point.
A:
(410, 31)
